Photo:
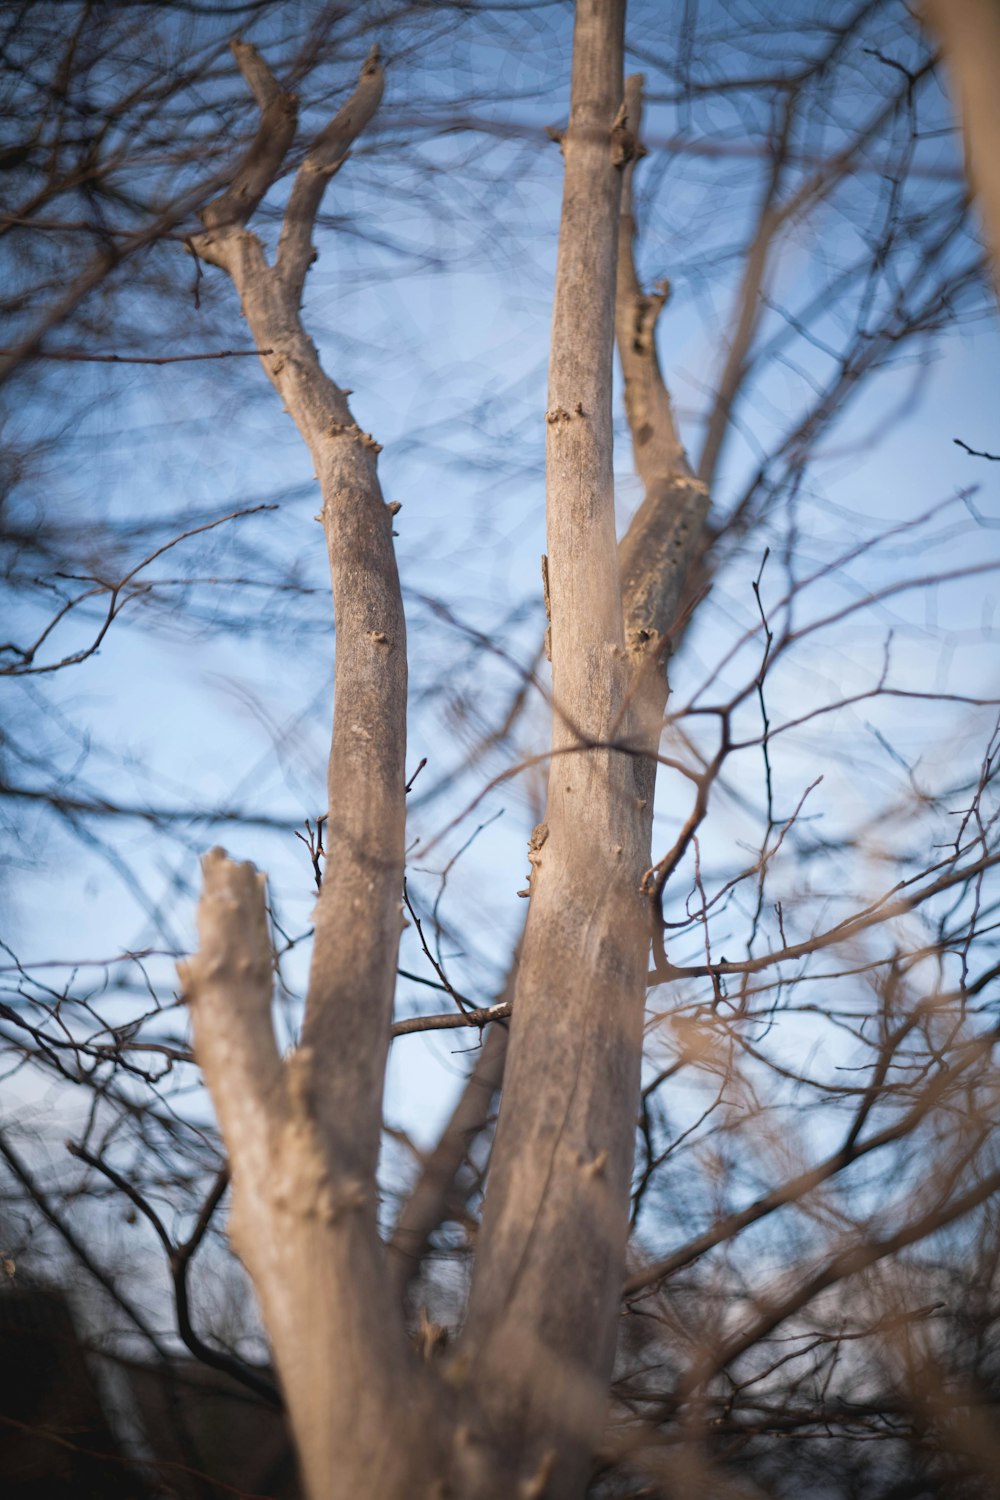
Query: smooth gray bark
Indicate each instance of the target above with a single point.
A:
(546, 1292)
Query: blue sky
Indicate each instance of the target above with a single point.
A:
(448, 367)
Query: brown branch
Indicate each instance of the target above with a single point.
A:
(666, 533)
(482, 1016)
(116, 603)
(774, 215)
(100, 807)
(796, 1188)
(266, 152)
(326, 157)
(83, 357)
(722, 149)
(106, 260)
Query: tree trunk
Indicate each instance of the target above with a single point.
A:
(540, 1335)
(516, 1408)
(969, 32)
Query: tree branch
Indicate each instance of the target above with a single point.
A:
(179, 1258)
(228, 987)
(327, 156)
(304, 1140)
(426, 1206)
(266, 152)
(560, 1166)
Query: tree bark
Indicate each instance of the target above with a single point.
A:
(303, 1135)
(662, 563)
(302, 1224)
(969, 32)
(546, 1291)
(358, 917)
(523, 1396)
(540, 1334)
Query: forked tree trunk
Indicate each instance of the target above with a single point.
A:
(516, 1408)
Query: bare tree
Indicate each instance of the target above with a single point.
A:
(772, 1290)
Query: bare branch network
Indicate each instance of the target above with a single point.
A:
(710, 1207)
